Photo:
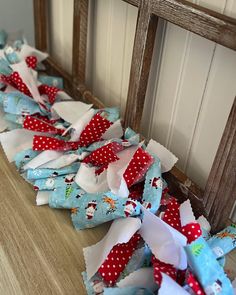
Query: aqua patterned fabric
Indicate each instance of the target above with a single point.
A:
(94, 209)
(19, 104)
(46, 173)
(24, 157)
(224, 241)
(153, 187)
(205, 266)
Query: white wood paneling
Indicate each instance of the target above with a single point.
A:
(114, 29)
(18, 16)
(216, 104)
(185, 74)
(60, 31)
(218, 99)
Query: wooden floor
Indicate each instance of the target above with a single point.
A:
(40, 251)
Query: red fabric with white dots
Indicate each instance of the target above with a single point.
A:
(137, 167)
(192, 231)
(31, 61)
(172, 216)
(42, 143)
(38, 125)
(159, 266)
(15, 81)
(104, 155)
(194, 285)
(117, 260)
(94, 130)
(50, 91)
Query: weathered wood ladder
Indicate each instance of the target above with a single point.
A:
(217, 200)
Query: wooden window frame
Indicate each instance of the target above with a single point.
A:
(217, 200)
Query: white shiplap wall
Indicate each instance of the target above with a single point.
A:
(192, 81)
(194, 93)
(60, 31)
(18, 16)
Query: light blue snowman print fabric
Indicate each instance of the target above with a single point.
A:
(95, 209)
(46, 173)
(205, 266)
(153, 187)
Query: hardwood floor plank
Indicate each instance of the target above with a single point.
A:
(43, 250)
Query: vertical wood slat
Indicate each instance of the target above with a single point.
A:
(220, 192)
(40, 24)
(140, 65)
(80, 21)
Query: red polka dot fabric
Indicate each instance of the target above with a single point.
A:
(191, 231)
(31, 61)
(137, 167)
(15, 81)
(42, 143)
(49, 91)
(117, 260)
(172, 216)
(94, 130)
(38, 125)
(104, 155)
(159, 267)
(194, 285)
(6, 79)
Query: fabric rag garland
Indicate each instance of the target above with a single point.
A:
(79, 158)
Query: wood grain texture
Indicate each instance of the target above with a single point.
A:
(80, 19)
(40, 251)
(220, 192)
(133, 2)
(197, 19)
(200, 20)
(184, 188)
(140, 65)
(40, 24)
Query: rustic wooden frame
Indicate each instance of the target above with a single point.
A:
(220, 193)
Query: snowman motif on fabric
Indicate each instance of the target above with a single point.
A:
(156, 182)
(23, 162)
(69, 180)
(50, 182)
(98, 287)
(214, 289)
(90, 209)
(146, 205)
(9, 50)
(130, 206)
(25, 112)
